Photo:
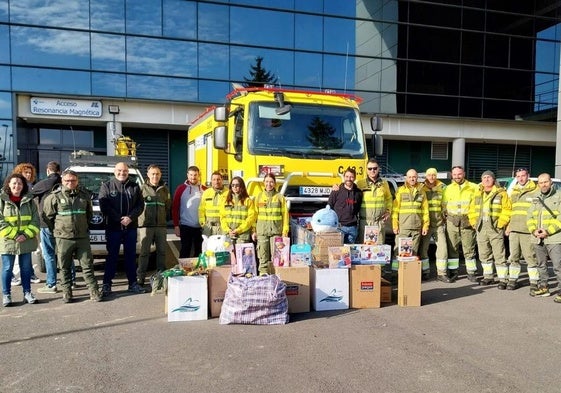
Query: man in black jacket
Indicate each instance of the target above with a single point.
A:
(40, 190)
(120, 201)
(346, 203)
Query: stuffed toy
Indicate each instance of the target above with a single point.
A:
(216, 251)
(325, 220)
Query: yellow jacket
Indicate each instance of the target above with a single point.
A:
(493, 206)
(521, 199)
(410, 208)
(376, 199)
(456, 198)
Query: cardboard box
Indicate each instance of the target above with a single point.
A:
(320, 242)
(365, 286)
(409, 283)
(385, 291)
(297, 280)
(187, 298)
(217, 283)
(330, 289)
(363, 254)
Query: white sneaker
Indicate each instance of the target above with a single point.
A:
(16, 281)
(35, 279)
(29, 298)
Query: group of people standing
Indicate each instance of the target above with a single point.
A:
(217, 210)
(462, 218)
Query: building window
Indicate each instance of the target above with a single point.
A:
(439, 151)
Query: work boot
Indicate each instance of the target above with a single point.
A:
(487, 281)
(425, 276)
(106, 290)
(444, 278)
(512, 285)
(541, 291)
(472, 277)
(501, 285)
(67, 296)
(453, 275)
(95, 296)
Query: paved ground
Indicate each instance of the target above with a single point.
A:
(465, 338)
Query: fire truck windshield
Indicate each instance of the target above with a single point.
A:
(305, 131)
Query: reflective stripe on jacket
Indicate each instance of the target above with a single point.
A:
(15, 221)
(493, 206)
(521, 199)
(272, 214)
(209, 208)
(540, 217)
(68, 213)
(376, 199)
(434, 197)
(410, 208)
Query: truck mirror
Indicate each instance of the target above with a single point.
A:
(220, 114)
(376, 123)
(220, 137)
(377, 144)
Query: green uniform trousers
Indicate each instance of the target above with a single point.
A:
(67, 249)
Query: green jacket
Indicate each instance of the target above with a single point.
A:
(16, 220)
(157, 204)
(68, 212)
(540, 217)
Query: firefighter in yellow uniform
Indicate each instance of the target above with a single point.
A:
(376, 204)
(272, 220)
(519, 237)
(459, 233)
(209, 208)
(434, 189)
(489, 214)
(410, 214)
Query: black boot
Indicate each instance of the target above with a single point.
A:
(444, 278)
(453, 275)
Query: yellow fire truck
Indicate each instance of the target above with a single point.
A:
(306, 139)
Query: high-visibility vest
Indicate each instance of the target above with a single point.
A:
(493, 206)
(410, 208)
(521, 198)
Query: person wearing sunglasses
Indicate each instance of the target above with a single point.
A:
(237, 212)
(376, 206)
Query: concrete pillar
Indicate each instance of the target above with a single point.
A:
(459, 152)
(114, 130)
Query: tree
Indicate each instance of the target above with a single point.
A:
(259, 75)
(321, 135)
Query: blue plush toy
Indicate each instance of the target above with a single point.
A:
(325, 220)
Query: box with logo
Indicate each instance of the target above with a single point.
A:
(297, 280)
(320, 242)
(365, 286)
(409, 283)
(217, 284)
(187, 298)
(330, 289)
(363, 254)
(300, 255)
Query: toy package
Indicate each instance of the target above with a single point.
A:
(301, 255)
(245, 259)
(280, 251)
(339, 257)
(371, 234)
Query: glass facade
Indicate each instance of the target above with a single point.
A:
(459, 58)
(477, 58)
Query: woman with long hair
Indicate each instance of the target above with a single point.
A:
(237, 212)
(19, 230)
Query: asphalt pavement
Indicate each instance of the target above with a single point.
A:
(464, 338)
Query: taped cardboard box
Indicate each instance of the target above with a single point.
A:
(409, 283)
(320, 242)
(217, 284)
(330, 289)
(187, 298)
(385, 291)
(365, 286)
(297, 280)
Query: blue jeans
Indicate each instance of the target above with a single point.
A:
(49, 255)
(114, 238)
(349, 234)
(25, 269)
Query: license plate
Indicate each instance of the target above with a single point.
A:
(315, 191)
(97, 238)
